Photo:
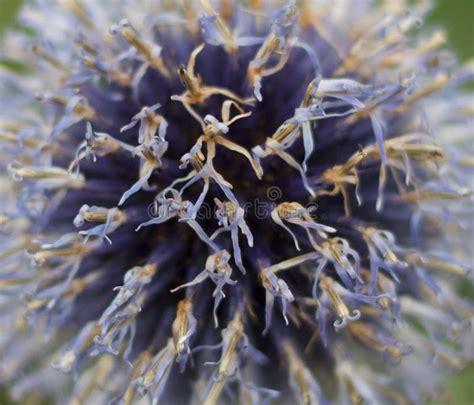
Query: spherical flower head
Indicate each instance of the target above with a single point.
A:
(233, 201)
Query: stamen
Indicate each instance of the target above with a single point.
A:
(16, 138)
(115, 74)
(156, 374)
(214, 129)
(302, 382)
(399, 151)
(227, 37)
(47, 299)
(219, 271)
(190, 14)
(435, 263)
(196, 92)
(77, 349)
(79, 105)
(96, 144)
(97, 214)
(138, 368)
(149, 124)
(378, 41)
(326, 283)
(346, 260)
(467, 161)
(274, 287)
(25, 246)
(183, 327)
(174, 206)
(284, 131)
(374, 339)
(437, 84)
(50, 59)
(118, 319)
(427, 45)
(342, 175)
(98, 375)
(428, 195)
(296, 214)
(231, 218)
(150, 51)
(78, 9)
(46, 252)
(276, 43)
(110, 218)
(234, 342)
(48, 177)
(384, 241)
(82, 42)
(346, 90)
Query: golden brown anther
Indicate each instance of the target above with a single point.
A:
(309, 93)
(67, 179)
(191, 83)
(227, 208)
(17, 248)
(150, 51)
(274, 45)
(335, 250)
(50, 59)
(297, 372)
(378, 42)
(284, 130)
(182, 324)
(42, 253)
(231, 336)
(197, 92)
(258, 70)
(379, 241)
(85, 46)
(190, 13)
(467, 161)
(76, 288)
(80, 108)
(456, 363)
(116, 75)
(78, 9)
(355, 396)
(11, 137)
(437, 84)
(222, 27)
(340, 176)
(400, 153)
(236, 329)
(64, 178)
(101, 216)
(384, 286)
(327, 283)
(138, 368)
(370, 337)
(437, 264)
(417, 196)
(424, 47)
(100, 374)
(226, 9)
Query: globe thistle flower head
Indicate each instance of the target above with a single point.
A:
(212, 201)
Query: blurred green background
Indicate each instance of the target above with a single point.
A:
(457, 16)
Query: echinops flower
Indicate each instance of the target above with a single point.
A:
(233, 202)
